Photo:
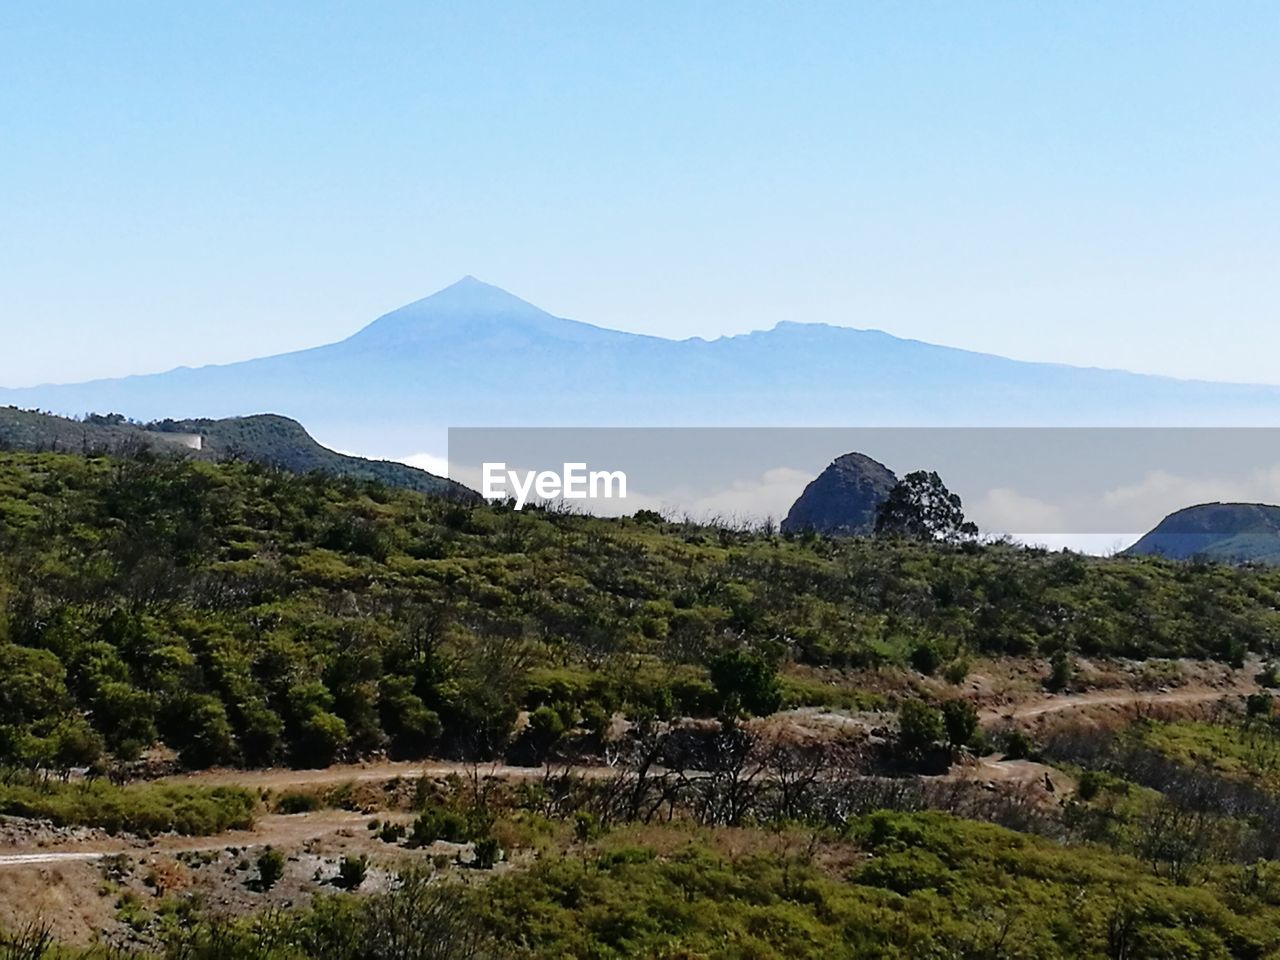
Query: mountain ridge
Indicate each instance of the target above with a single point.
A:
(1228, 532)
(269, 439)
(473, 354)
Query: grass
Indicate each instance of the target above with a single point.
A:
(142, 809)
(1246, 752)
(805, 688)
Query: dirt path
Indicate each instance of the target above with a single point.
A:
(282, 830)
(273, 829)
(1107, 698)
(278, 778)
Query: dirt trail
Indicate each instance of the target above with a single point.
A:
(283, 830)
(274, 829)
(1108, 698)
(278, 778)
(277, 830)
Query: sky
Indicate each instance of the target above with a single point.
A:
(1081, 182)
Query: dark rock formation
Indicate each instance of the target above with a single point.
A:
(843, 500)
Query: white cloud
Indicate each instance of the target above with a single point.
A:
(1161, 492)
(769, 495)
(1004, 510)
(429, 462)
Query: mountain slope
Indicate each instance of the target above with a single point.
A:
(265, 438)
(475, 355)
(1229, 532)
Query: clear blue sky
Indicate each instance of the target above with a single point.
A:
(1088, 182)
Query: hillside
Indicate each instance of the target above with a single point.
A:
(1228, 532)
(244, 616)
(265, 438)
(474, 355)
(711, 735)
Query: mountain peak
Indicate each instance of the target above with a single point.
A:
(475, 297)
(476, 311)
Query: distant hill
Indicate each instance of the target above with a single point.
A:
(474, 355)
(1227, 532)
(264, 438)
(843, 499)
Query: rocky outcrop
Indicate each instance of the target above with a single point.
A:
(844, 498)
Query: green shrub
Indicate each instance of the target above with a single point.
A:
(143, 809)
(960, 721)
(1089, 785)
(439, 824)
(352, 871)
(746, 681)
(487, 854)
(920, 726)
(270, 868)
(298, 801)
(926, 657)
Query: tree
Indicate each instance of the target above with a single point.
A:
(208, 734)
(270, 868)
(960, 720)
(746, 681)
(411, 724)
(919, 727)
(920, 507)
(351, 872)
(926, 657)
(487, 854)
(546, 727)
(1061, 671)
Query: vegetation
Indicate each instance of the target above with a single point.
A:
(920, 507)
(241, 614)
(266, 438)
(244, 615)
(270, 868)
(141, 809)
(889, 885)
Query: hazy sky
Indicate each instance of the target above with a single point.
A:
(1087, 182)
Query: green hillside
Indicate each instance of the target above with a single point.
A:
(243, 614)
(265, 438)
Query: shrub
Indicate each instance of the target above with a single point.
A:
(546, 726)
(1061, 671)
(956, 671)
(298, 801)
(926, 657)
(1260, 705)
(392, 832)
(352, 871)
(920, 726)
(439, 824)
(746, 681)
(1017, 745)
(487, 854)
(142, 809)
(1089, 785)
(960, 720)
(270, 868)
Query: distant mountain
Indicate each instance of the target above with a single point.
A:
(843, 499)
(264, 438)
(474, 355)
(1227, 532)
